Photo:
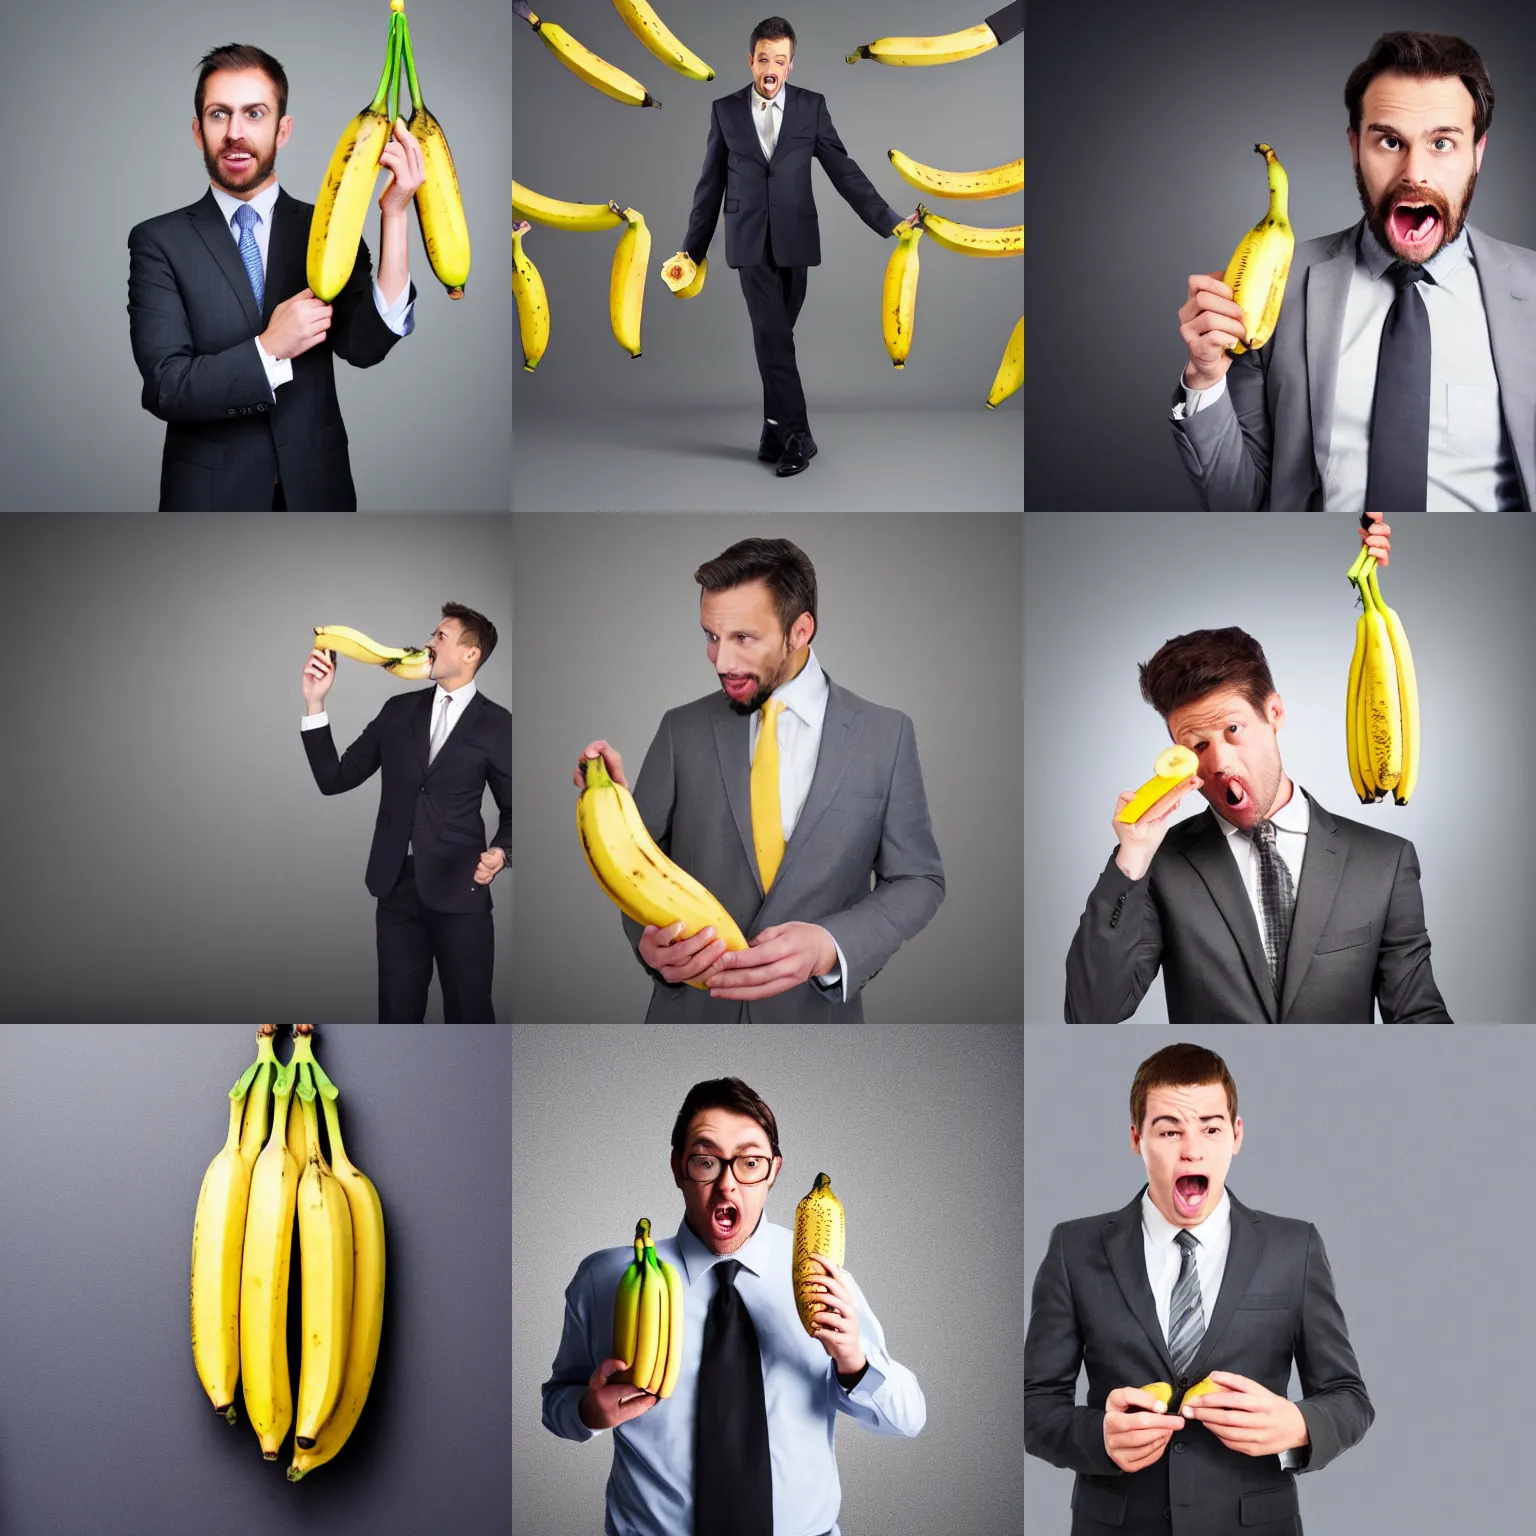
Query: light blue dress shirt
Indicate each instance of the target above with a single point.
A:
(650, 1489)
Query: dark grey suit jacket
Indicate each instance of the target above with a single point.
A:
(866, 815)
(1357, 935)
(1093, 1303)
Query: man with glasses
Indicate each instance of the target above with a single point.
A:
(747, 1433)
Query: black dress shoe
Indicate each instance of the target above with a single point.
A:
(770, 446)
(799, 450)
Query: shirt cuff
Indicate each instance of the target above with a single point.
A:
(279, 370)
(1198, 399)
(838, 974)
(400, 316)
(314, 722)
(1295, 1459)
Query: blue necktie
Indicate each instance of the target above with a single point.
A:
(250, 253)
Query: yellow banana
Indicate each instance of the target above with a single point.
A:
(1262, 261)
(655, 35)
(626, 1307)
(970, 239)
(1200, 1389)
(648, 1341)
(971, 186)
(1161, 1390)
(532, 300)
(819, 1228)
(1352, 713)
(258, 1101)
(1010, 372)
(439, 204)
(412, 665)
(1383, 741)
(684, 278)
(1173, 766)
(1407, 693)
(658, 1282)
(948, 49)
(898, 305)
(626, 281)
(673, 1302)
(556, 214)
(584, 64)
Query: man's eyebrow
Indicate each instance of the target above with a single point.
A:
(1397, 133)
(208, 106)
(1172, 1120)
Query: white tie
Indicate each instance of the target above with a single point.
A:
(769, 125)
(440, 735)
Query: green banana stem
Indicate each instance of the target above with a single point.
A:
(333, 1128)
(382, 94)
(247, 1077)
(417, 104)
(1353, 573)
(396, 19)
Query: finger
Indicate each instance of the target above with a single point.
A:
(605, 1369)
(1236, 1382)
(687, 970)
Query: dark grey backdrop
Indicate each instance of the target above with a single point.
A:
(1103, 591)
(105, 1133)
(1402, 1149)
(168, 854)
(1144, 122)
(917, 611)
(918, 1129)
(102, 98)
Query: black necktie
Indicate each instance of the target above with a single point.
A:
(732, 1479)
(1397, 473)
(1277, 898)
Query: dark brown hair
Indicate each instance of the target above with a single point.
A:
(1180, 1066)
(785, 567)
(1205, 661)
(773, 27)
(723, 1093)
(478, 630)
(241, 56)
(1424, 56)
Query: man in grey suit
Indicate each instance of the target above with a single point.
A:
(1266, 908)
(1402, 373)
(1183, 1285)
(784, 793)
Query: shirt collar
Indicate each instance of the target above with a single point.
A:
(262, 203)
(805, 694)
(458, 695)
(759, 104)
(698, 1258)
(1294, 816)
(1163, 1232)
(1448, 260)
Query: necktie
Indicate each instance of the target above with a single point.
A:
(1277, 898)
(767, 818)
(250, 253)
(732, 1478)
(1186, 1312)
(1397, 472)
(440, 734)
(768, 126)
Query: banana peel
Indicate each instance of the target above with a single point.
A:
(1170, 770)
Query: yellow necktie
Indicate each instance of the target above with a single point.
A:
(767, 818)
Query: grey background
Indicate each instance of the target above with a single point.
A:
(918, 1129)
(1104, 591)
(105, 1133)
(1144, 125)
(102, 100)
(678, 428)
(1402, 1150)
(917, 612)
(168, 852)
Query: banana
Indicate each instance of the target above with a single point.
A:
(634, 873)
(218, 1243)
(1352, 712)
(655, 1279)
(971, 186)
(819, 1228)
(1262, 261)
(584, 64)
(556, 214)
(258, 1101)
(1010, 372)
(1200, 1389)
(971, 240)
(898, 306)
(1173, 766)
(626, 281)
(1407, 692)
(684, 278)
(532, 300)
(626, 1307)
(1161, 1390)
(439, 204)
(948, 49)
(411, 665)
(673, 1303)
(654, 34)
(648, 1340)
(1382, 744)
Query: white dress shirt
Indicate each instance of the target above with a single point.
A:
(1291, 823)
(768, 117)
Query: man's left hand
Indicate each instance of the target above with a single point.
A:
(783, 956)
(491, 864)
(1379, 537)
(906, 223)
(837, 1324)
(1249, 1418)
(402, 159)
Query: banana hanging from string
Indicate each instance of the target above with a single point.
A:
(583, 63)
(532, 300)
(1262, 261)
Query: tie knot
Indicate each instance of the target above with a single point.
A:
(1263, 834)
(770, 710)
(246, 216)
(727, 1270)
(1187, 1241)
(1404, 273)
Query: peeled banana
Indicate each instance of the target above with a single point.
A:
(584, 64)
(439, 204)
(655, 35)
(1161, 1390)
(1381, 712)
(648, 1319)
(557, 214)
(413, 665)
(1173, 766)
(1262, 261)
(1200, 1389)
(684, 278)
(532, 300)
(948, 49)
(626, 282)
(898, 305)
(1010, 372)
(998, 181)
(819, 1228)
(969, 239)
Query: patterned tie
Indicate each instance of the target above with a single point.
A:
(732, 1473)
(767, 817)
(1277, 899)
(1186, 1312)
(440, 735)
(1397, 468)
(250, 253)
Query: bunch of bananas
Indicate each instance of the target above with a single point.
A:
(241, 1240)
(1262, 261)
(648, 1319)
(412, 665)
(951, 47)
(819, 1228)
(1381, 711)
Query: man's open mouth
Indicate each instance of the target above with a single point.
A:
(1235, 794)
(739, 687)
(1189, 1192)
(237, 157)
(1415, 225)
(770, 79)
(724, 1218)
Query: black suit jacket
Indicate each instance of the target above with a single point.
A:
(1093, 1304)
(1357, 935)
(770, 211)
(192, 318)
(435, 808)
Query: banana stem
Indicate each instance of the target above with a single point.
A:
(1353, 573)
(396, 21)
(382, 94)
(417, 104)
(333, 1130)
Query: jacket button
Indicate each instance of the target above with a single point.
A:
(1178, 1445)
(231, 410)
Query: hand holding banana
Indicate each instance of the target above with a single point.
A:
(1382, 730)
(1141, 818)
(1137, 1425)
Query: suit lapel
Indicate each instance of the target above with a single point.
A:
(841, 727)
(1326, 297)
(422, 728)
(731, 732)
(1243, 1255)
(1213, 862)
(1322, 868)
(1126, 1252)
(1507, 302)
(210, 225)
(286, 250)
(749, 116)
(453, 735)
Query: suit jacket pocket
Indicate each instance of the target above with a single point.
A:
(330, 439)
(1345, 938)
(1269, 1505)
(731, 204)
(856, 804)
(193, 450)
(1095, 1502)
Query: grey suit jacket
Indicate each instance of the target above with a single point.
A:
(1263, 445)
(1093, 1303)
(866, 815)
(1357, 935)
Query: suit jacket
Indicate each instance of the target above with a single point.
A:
(865, 814)
(771, 214)
(1093, 1304)
(435, 807)
(1357, 934)
(192, 318)
(1263, 445)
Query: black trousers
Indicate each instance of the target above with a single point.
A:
(279, 501)
(411, 937)
(774, 296)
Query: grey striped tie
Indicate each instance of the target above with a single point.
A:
(1186, 1312)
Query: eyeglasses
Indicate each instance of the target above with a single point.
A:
(747, 1167)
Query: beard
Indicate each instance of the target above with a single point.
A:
(762, 693)
(1378, 213)
(258, 171)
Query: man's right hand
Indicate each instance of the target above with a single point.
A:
(319, 674)
(1209, 323)
(1140, 839)
(610, 755)
(603, 1404)
(1136, 1428)
(297, 324)
(678, 959)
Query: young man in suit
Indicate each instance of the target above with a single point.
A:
(785, 822)
(1184, 1283)
(430, 867)
(758, 160)
(234, 348)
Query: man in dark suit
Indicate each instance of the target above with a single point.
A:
(234, 349)
(1187, 1283)
(429, 866)
(758, 159)
(1266, 909)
